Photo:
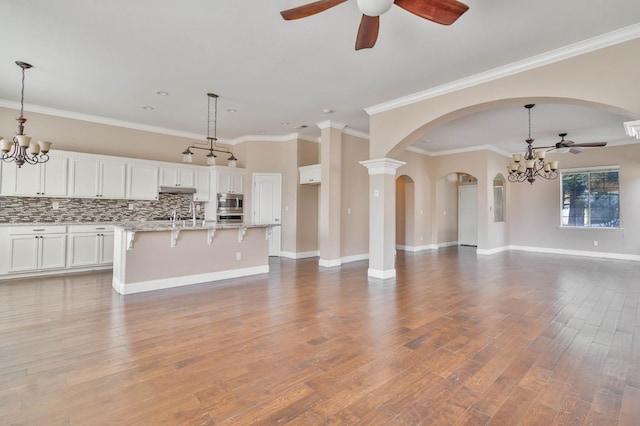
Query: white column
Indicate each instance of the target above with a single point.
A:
(382, 216)
(330, 193)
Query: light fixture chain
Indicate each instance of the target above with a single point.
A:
(22, 96)
(215, 119)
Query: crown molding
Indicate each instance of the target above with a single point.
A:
(265, 138)
(633, 128)
(589, 45)
(333, 124)
(356, 133)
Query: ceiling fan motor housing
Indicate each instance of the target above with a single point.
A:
(374, 7)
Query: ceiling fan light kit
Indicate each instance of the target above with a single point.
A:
(444, 12)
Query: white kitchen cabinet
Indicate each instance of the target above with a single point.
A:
(93, 178)
(90, 245)
(37, 248)
(310, 174)
(203, 185)
(177, 176)
(230, 180)
(39, 180)
(142, 182)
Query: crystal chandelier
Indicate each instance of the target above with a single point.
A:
(21, 149)
(531, 165)
(187, 154)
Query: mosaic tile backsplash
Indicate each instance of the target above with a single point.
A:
(40, 210)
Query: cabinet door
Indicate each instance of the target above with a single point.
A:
(52, 251)
(187, 178)
(236, 183)
(83, 249)
(21, 181)
(202, 186)
(84, 177)
(112, 180)
(142, 182)
(168, 176)
(23, 252)
(106, 249)
(224, 182)
(54, 177)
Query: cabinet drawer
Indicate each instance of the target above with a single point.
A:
(37, 230)
(74, 229)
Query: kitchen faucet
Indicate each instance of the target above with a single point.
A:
(192, 210)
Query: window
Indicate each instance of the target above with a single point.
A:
(498, 198)
(591, 198)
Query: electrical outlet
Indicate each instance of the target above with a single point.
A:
(197, 207)
(348, 211)
(595, 243)
(131, 206)
(55, 205)
(238, 255)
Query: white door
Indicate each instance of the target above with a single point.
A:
(468, 215)
(267, 205)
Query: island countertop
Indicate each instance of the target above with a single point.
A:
(186, 225)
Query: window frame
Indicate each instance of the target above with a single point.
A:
(589, 170)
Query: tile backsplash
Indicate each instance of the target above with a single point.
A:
(40, 209)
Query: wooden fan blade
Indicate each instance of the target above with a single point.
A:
(589, 144)
(368, 32)
(309, 9)
(444, 12)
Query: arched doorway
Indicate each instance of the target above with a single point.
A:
(405, 216)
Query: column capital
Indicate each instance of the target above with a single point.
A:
(383, 166)
(633, 128)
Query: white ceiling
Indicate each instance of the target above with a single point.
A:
(109, 58)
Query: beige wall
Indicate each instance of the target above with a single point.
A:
(354, 227)
(446, 211)
(416, 169)
(308, 199)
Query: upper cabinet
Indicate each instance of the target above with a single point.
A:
(310, 174)
(93, 178)
(177, 176)
(142, 182)
(203, 185)
(40, 180)
(229, 180)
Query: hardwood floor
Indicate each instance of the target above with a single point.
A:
(513, 338)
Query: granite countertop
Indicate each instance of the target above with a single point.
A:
(187, 225)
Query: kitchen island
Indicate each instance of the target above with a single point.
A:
(158, 255)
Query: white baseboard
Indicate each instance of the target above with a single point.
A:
(603, 255)
(447, 244)
(139, 287)
(53, 272)
(487, 252)
(414, 249)
(354, 258)
(300, 255)
(329, 263)
(376, 273)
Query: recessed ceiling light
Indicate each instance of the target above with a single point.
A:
(302, 126)
(162, 93)
(328, 111)
(148, 108)
(232, 110)
(284, 123)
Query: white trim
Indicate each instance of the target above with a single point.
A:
(333, 124)
(53, 272)
(329, 263)
(633, 128)
(603, 255)
(356, 133)
(265, 138)
(447, 244)
(382, 166)
(160, 284)
(580, 48)
(488, 252)
(376, 273)
(299, 255)
(354, 258)
(590, 169)
(414, 249)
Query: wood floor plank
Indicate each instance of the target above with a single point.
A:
(453, 340)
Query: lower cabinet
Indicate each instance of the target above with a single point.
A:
(37, 248)
(90, 245)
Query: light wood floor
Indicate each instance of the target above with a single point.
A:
(513, 338)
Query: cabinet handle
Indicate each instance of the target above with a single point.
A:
(38, 230)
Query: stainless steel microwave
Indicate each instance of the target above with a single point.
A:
(229, 202)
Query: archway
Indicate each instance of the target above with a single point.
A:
(405, 216)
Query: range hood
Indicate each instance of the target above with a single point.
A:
(177, 190)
